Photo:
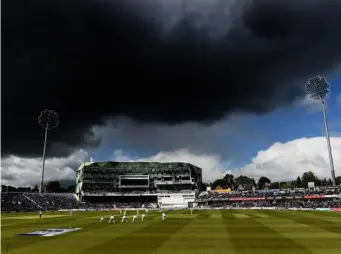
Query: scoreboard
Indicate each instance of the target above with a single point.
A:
(133, 181)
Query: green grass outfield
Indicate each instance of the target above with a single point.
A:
(204, 232)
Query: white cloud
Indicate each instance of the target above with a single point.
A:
(17, 171)
(281, 161)
(286, 161)
(311, 105)
(211, 164)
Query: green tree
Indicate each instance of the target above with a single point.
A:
(284, 185)
(274, 185)
(309, 177)
(244, 180)
(324, 182)
(71, 189)
(338, 180)
(35, 189)
(229, 178)
(53, 186)
(24, 189)
(298, 182)
(263, 181)
(219, 182)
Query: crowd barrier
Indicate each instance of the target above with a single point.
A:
(213, 208)
(323, 209)
(105, 209)
(76, 210)
(264, 208)
(227, 198)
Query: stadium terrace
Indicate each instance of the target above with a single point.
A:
(169, 185)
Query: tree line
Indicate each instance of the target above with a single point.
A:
(229, 181)
(52, 186)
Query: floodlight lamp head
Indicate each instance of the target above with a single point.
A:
(48, 119)
(317, 88)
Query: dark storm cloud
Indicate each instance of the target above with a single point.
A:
(154, 61)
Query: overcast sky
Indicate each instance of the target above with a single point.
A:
(218, 83)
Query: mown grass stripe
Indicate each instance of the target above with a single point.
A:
(212, 231)
(323, 216)
(199, 236)
(91, 228)
(249, 236)
(143, 241)
(10, 234)
(316, 240)
(315, 221)
(323, 213)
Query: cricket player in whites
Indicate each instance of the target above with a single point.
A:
(124, 219)
(102, 219)
(146, 211)
(191, 210)
(143, 216)
(134, 218)
(124, 212)
(163, 216)
(112, 219)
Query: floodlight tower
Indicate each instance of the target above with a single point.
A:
(48, 119)
(317, 88)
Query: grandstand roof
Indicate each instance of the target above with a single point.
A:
(115, 164)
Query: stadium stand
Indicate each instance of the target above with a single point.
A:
(293, 198)
(302, 198)
(166, 185)
(115, 185)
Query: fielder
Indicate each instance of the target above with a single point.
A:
(163, 216)
(102, 219)
(134, 218)
(112, 219)
(143, 216)
(124, 219)
(146, 211)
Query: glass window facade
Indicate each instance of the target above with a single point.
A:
(143, 176)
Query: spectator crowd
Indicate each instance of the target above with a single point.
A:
(299, 198)
(30, 202)
(213, 195)
(279, 204)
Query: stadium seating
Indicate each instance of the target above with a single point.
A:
(301, 198)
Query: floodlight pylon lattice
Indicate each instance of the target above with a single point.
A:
(318, 88)
(48, 119)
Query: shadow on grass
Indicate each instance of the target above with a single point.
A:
(143, 241)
